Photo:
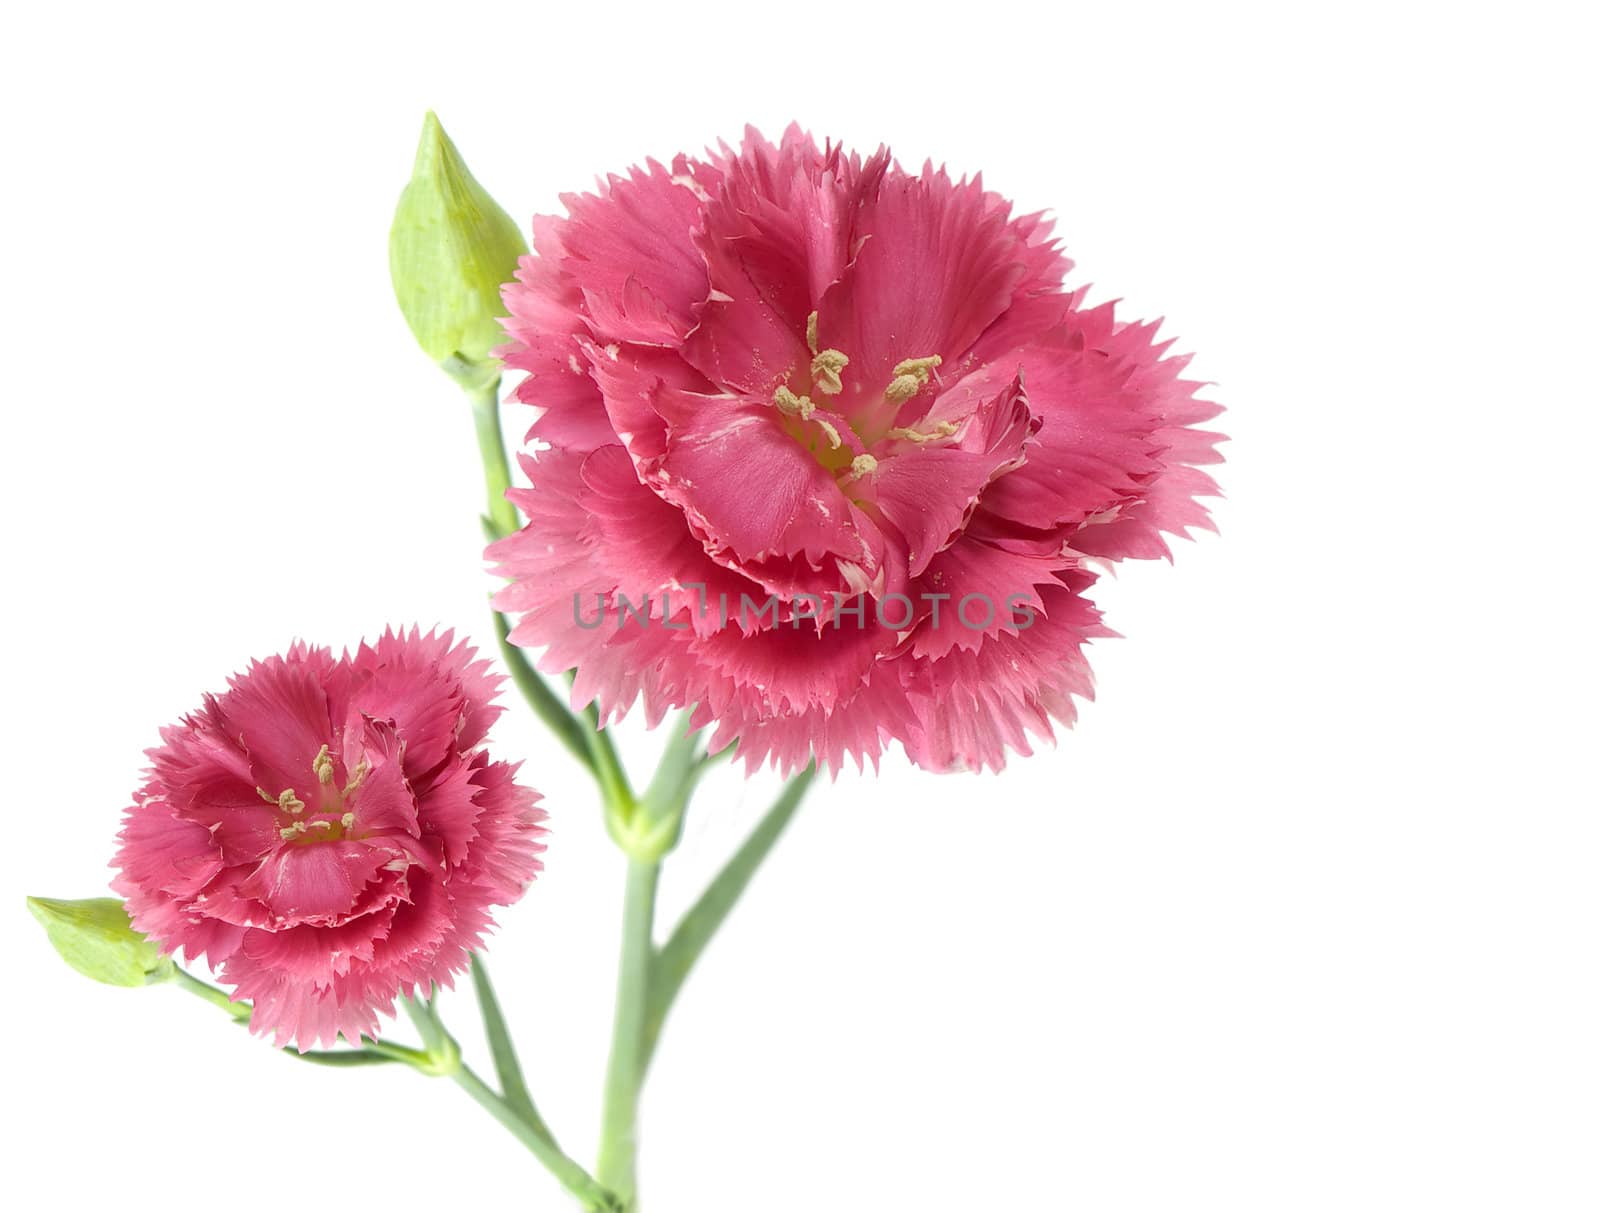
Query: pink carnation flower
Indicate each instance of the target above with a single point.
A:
(329, 834)
(845, 433)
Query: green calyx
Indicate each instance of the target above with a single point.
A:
(649, 826)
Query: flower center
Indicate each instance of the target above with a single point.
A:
(334, 813)
(816, 429)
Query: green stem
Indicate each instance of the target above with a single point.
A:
(372, 1050)
(678, 770)
(620, 803)
(625, 1069)
(217, 998)
(657, 821)
(500, 521)
(378, 1049)
(426, 1018)
(646, 828)
(507, 1068)
(371, 1053)
(443, 1056)
(570, 729)
(593, 747)
(694, 931)
(492, 450)
(571, 1176)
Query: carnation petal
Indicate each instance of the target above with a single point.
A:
(640, 280)
(311, 881)
(938, 266)
(927, 492)
(282, 711)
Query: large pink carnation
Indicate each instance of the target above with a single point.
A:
(846, 433)
(329, 834)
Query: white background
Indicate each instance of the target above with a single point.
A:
(1301, 917)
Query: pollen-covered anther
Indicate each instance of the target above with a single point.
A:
(862, 465)
(289, 802)
(294, 829)
(357, 775)
(902, 389)
(920, 367)
(910, 375)
(825, 368)
(791, 405)
(322, 764)
(811, 332)
(943, 429)
(348, 820)
(802, 407)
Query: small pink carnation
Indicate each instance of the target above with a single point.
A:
(329, 833)
(859, 399)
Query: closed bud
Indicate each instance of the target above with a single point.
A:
(95, 937)
(450, 248)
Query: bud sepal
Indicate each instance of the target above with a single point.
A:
(95, 937)
(451, 246)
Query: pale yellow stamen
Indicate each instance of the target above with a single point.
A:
(920, 367)
(825, 368)
(909, 376)
(348, 820)
(289, 802)
(290, 831)
(791, 405)
(356, 776)
(811, 332)
(943, 430)
(322, 764)
(902, 389)
(862, 465)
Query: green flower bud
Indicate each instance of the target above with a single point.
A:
(95, 937)
(450, 248)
